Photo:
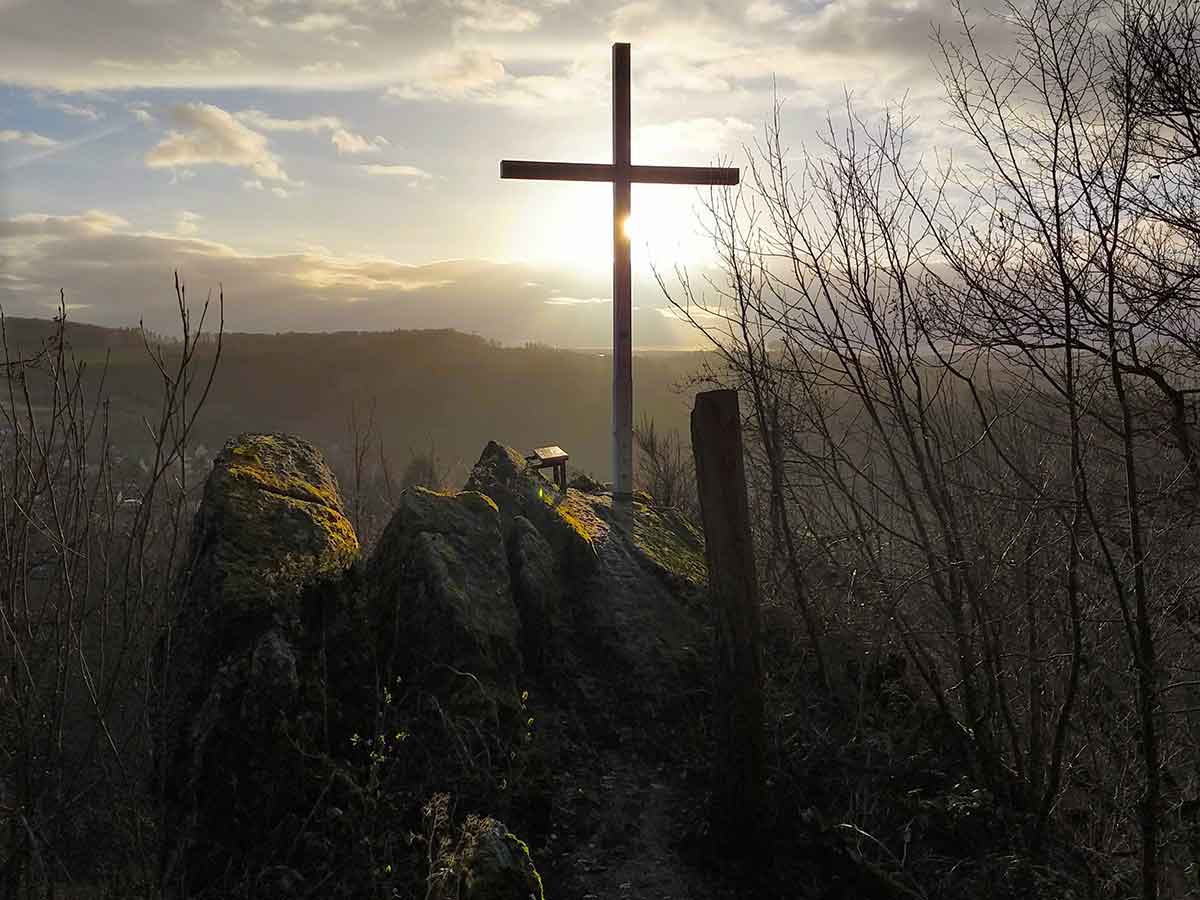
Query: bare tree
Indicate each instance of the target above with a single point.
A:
(665, 468)
(427, 469)
(86, 592)
(968, 389)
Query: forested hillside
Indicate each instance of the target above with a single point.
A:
(440, 392)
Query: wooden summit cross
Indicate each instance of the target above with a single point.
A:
(622, 173)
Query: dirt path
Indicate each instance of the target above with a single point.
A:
(624, 835)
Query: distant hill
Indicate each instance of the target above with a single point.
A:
(443, 389)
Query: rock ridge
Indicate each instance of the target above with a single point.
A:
(502, 633)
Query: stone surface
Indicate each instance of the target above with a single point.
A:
(495, 864)
(503, 621)
(587, 484)
(518, 490)
(631, 624)
(441, 597)
(269, 527)
(270, 521)
(638, 621)
(538, 589)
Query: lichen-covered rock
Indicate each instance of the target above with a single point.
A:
(537, 588)
(617, 618)
(492, 864)
(630, 581)
(441, 596)
(644, 612)
(669, 543)
(269, 528)
(503, 474)
(271, 520)
(584, 482)
(289, 658)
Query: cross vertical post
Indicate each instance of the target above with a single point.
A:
(622, 309)
(622, 173)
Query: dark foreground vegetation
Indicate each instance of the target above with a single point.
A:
(974, 477)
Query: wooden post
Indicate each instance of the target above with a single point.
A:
(739, 763)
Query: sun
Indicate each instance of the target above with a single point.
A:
(666, 227)
(571, 225)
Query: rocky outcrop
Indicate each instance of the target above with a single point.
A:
(538, 589)
(441, 599)
(270, 526)
(617, 604)
(517, 490)
(318, 699)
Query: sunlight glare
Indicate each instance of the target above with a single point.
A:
(572, 225)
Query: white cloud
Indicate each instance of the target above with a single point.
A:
(702, 137)
(252, 184)
(120, 273)
(345, 141)
(693, 312)
(279, 192)
(140, 111)
(32, 138)
(396, 171)
(256, 118)
(764, 12)
(79, 112)
(672, 75)
(496, 15)
(324, 67)
(93, 222)
(632, 17)
(478, 76)
(317, 22)
(453, 76)
(70, 46)
(576, 301)
(185, 222)
(340, 41)
(211, 136)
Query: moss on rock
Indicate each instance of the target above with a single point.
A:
(518, 490)
(670, 542)
(269, 530)
(441, 596)
(270, 522)
(494, 864)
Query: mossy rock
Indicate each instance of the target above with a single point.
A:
(492, 863)
(518, 490)
(581, 481)
(271, 521)
(670, 543)
(441, 597)
(537, 589)
(269, 531)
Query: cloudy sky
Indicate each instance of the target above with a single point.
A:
(334, 163)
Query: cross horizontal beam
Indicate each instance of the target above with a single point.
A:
(560, 171)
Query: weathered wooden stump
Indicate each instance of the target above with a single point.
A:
(739, 752)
